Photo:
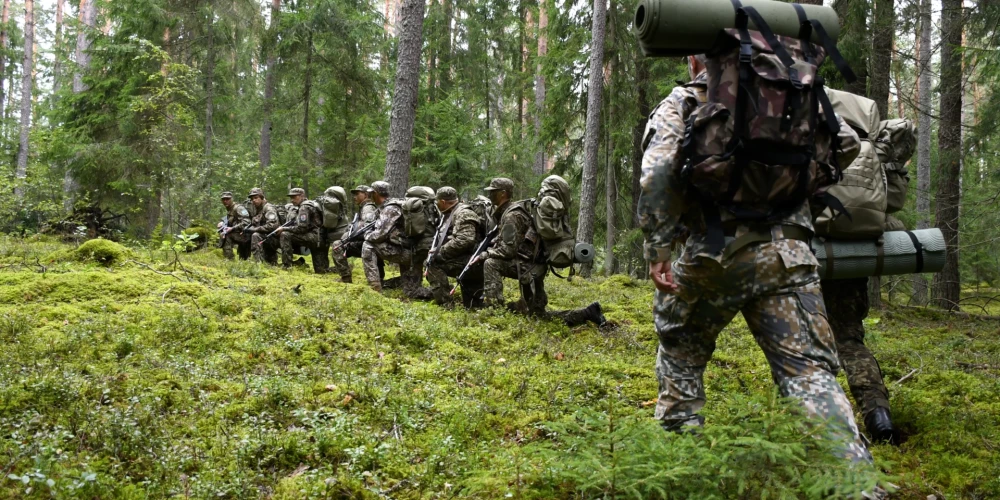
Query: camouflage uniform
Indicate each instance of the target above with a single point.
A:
(305, 233)
(263, 223)
(773, 283)
(368, 213)
(239, 219)
(460, 230)
(387, 241)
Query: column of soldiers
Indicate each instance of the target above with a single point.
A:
(462, 246)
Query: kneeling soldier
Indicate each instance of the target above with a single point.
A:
(264, 221)
(304, 232)
(367, 213)
(238, 218)
(460, 231)
(388, 242)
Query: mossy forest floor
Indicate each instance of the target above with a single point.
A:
(205, 378)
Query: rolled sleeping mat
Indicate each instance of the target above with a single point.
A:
(583, 253)
(674, 28)
(901, 252)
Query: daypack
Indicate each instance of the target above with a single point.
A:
(333, 204)
(483, 208)
(894, 143)
(550, 215)
(420, 214)
(862, 190)
(766, 139)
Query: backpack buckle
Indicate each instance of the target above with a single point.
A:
(746, 51)
(793, 76)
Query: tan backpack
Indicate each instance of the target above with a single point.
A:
(894, 144)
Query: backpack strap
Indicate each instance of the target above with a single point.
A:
(831, 50)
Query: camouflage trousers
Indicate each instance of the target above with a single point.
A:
(776, 287)
(290, 242)
(342, 265)
(531, 281)
(472, 284)
(266, 252)
(847, 306)
(410, 268)
(321, 255)
(238, 240)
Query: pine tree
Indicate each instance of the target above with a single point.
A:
(404, 99)
(21, 174)
(592, 134)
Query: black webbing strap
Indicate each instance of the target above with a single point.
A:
(805, 33)
(834, 204)
(776, 46)
(831, 50)
(828, 247)
(775, 154)
(713, 225)
(879, 256)
(737, 142)
(920, 252)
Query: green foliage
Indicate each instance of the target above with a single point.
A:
(201, 236)
(105, 252)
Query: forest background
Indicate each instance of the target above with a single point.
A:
(149, 109)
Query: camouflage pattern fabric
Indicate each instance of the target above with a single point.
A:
(461, 229)
(321, 259)
(386, 241)
(342, 265)
(847, 304)
(511, 254)
(234, 238)
(290, 243)
(472, 284)
(262, 223)
(305, 233)
(239, 219)
(268, 252)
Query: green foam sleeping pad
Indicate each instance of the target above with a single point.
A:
(901, 252)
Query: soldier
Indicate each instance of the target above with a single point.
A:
(460, 230)
(513, 255)
(387, 241)
(238, 218)
(367, 212)
(304, 232)
(329, 235)
(263, 222)
(766, 271)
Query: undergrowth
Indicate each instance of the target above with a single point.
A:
(165, 375)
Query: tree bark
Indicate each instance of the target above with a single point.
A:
(3, 63)
(404, 99)
(543, 48)
(641, 84)
(88, 15)
(610, 177)
(57, 64)
(306, 97)
(272, 61)
(522, 52)
(588, 188)
(881, 66)
(21, 174)
(947, 284)
(209, 81)
(924, 88)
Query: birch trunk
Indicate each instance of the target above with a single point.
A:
(21, 174)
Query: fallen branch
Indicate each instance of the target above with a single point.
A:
(907, 376)
(140, 264)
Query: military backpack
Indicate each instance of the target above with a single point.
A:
(333, 203)
(550, 217)
(483, 208)
(766, 140)
(420, 214)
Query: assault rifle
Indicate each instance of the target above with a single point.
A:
(223, 230)
(288, 223)
(483, 245)
(436, 243)
(355, 235)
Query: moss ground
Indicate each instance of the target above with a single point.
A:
(152, 378)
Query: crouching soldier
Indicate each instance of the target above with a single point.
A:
(367, 213)
(264, 221)
(238, 218)
(304, 231)
(388, 242)
(460, 231)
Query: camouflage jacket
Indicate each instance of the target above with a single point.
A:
(665, 208)
(239, 218)
(368, 211)
(389, 224)
(517, 235)
(266, 219)
(461, 226)
(308, 218)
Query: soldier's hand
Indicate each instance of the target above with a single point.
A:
(219, 225)
(662, 276)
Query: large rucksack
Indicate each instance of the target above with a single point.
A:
(333, 204)
(316, 212)
(766, 140)
(420, 213)
(894, 143)
(483, 208)
(282, 211)
(862, 190)
(550, 215)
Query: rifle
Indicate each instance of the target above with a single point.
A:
(224, 230)
(483, 245)
(436, 243)
(354, 236)
(288, 223)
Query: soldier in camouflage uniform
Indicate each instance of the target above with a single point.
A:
(367, 212)
(305, 232)
(458, 234)
(513, 255)
(232, 233)
(766, 272)
(388, 242)
(263, 222)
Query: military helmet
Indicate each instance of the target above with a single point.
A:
(381, 187)
(296, 192)
(256, 192)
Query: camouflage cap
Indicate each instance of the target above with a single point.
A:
(500, 184)
(447, 193)
(362, 188)
(256, 192)
(226, 194)
(381, 187)
(296, 192)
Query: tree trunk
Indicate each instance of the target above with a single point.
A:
(543, 48)
(404, 99)
(88, 13)
(3, 63)
(641, 84)
(306, 97)
(588, 188)
(519, 80)
(924, 88)
(881, 65)
(611, 197)
(947, 284)
(209, 81)
(21, 174)
(855, 28)
(272, 61)
(57, 64)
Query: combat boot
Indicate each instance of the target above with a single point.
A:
(596, 314)
(346, 279)
(878, 423)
